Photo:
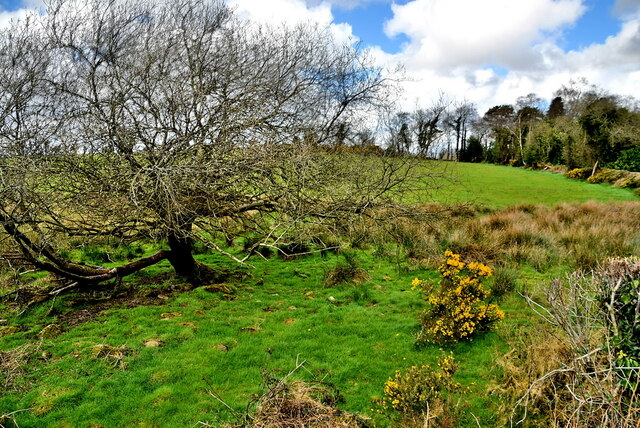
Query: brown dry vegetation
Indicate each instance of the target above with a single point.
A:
(14, 366)
(288, 403)
(578, 235)
(576, 373)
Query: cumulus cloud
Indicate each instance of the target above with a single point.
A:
(450, 33)
(489, 52)
(498, 50)
(7, 16)
(626, 8)
(291, 12)
(282, 11)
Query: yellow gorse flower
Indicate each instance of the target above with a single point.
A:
(457, 311)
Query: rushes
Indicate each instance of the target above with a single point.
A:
(579, 235)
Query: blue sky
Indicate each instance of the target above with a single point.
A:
(594, 26)
(485, 51)
(367, 20)
(11, 4)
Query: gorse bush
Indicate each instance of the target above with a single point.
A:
(606, 176)
(421, 395)
(579, 173)
(457, 311)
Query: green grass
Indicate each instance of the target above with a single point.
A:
(497, 186)
(281, 315)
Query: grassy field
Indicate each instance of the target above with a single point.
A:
(497, 186)
(354, 336)
(176, 347)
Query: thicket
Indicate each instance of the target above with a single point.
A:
(587, 374)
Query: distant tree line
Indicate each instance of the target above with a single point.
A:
(582, 126)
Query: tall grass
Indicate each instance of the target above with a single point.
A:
(581, 235)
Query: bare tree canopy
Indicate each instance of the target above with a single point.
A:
(175, 121)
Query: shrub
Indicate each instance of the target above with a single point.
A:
(594, 377)
(420, 395)
(579, 173)
(606, 176)
(457, 311)
(630, 182)
(620, 300)
(628, 160)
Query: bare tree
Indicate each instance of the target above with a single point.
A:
(459, 120)
(177, 122)
(399, 132)
(428, 125)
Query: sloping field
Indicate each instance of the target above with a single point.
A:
(497, 186)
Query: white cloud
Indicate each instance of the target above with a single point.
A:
(619, 51)
(489, 52)
(291, 12)
(450, 33)
(627, 8)
(7, 17)
(492, 52)
(282, 11)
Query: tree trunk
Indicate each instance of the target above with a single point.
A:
(181, 257)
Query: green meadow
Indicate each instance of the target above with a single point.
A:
(499, 186)
(177, 358)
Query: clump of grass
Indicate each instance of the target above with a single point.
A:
(115, 355)
(91, 253)
(346, 271)
(535, 353)
(580, 235)
(504, 281)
